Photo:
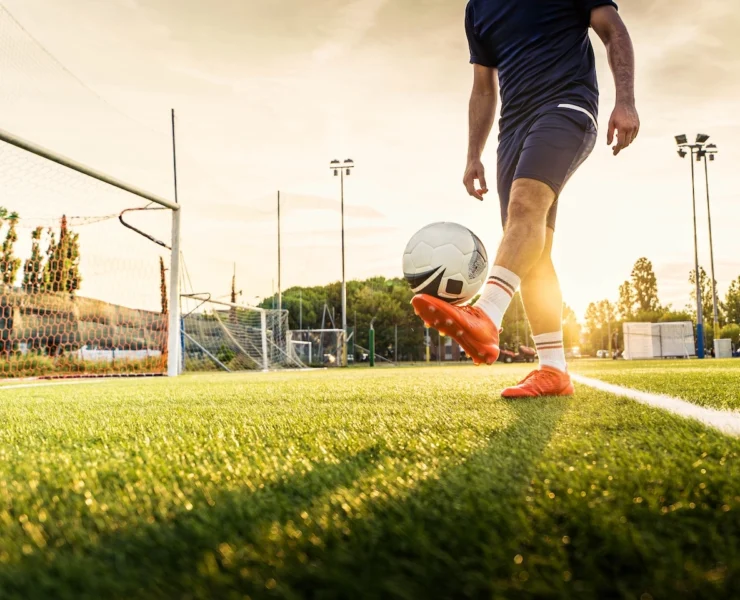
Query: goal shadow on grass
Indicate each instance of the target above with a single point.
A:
(440, 539)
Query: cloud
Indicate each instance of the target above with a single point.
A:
(695, 50)
(298, 202)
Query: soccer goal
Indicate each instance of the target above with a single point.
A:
(231, 337)
(90, 270)
(317, 347)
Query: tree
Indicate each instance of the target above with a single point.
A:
(707, 304)
(33, 268)
(732, 302)
(62, 269)
(627, 302)
(571, 328)
(74, 278)
(387, 301)
(673, 316)
(731, 332)
(645, 286)
(163, 286)
(9, 264)
(600, 323)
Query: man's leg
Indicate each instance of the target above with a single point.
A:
(553, 148)
(543, 302)
(524, 242)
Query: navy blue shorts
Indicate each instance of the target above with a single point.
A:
(549, 150)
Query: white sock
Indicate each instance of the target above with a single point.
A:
(551, 351)
(498, 293)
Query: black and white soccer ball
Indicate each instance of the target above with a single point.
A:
(447, 261)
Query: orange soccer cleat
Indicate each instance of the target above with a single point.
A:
(544, 382)
(467, 325)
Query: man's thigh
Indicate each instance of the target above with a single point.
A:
(556, 144)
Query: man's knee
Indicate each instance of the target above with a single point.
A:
(530, 201)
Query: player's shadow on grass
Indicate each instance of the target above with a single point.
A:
(443, 539)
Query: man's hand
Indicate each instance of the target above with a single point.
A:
(626, 123)
(475, 172)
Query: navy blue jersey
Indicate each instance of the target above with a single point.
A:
(542, 52)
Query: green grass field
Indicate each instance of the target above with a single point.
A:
(391, 483)
(712, 383)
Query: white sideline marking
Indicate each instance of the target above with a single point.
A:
(727, 421)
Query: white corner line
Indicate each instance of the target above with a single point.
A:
(726, 421)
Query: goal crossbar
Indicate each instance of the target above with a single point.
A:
(33, 148)
(203, 297)
(173, 360)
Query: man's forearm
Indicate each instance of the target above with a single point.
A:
(622, 62)
(481, 117)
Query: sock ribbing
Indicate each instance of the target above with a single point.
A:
(498, 293)
(551, 351)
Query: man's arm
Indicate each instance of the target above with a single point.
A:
(481, 116)
(607, 23)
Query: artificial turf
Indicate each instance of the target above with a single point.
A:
(712, 383)
(395, 483)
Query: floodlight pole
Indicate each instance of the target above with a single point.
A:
(695, 150)
(715, 304)
(341, 169)
(697, 278)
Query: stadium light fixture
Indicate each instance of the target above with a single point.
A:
(701, 138)
(682, 153)
(682, 139)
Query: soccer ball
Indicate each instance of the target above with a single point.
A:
(447, 261)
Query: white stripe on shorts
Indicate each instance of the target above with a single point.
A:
(579, 109)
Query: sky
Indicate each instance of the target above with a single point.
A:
(267, 93)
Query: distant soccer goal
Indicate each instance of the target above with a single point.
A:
(89, 269)
(317, 347)
(658, 340)
(229, 337)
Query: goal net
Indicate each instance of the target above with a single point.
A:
(317, 347)
(81, 294)
(229, 337)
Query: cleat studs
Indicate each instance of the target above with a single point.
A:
(448, 322)
(460, 333)
(432, 309)
(436, 322)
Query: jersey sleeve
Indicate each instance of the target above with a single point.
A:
(588, 5)
(479, 54)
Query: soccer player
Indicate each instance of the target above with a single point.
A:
(540, 53)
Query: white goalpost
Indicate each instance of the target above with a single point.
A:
(81, 294)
